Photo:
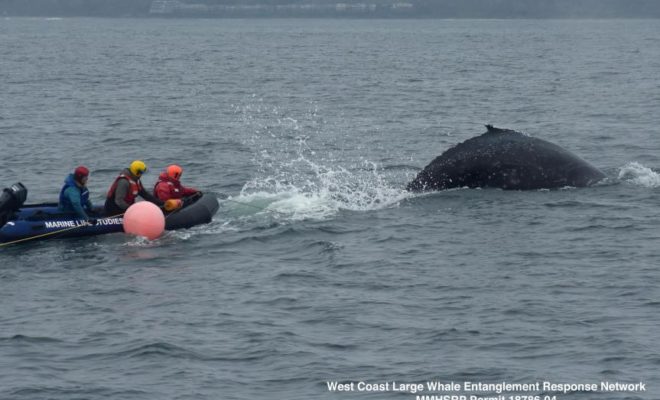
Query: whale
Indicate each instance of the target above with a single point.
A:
(505, 159)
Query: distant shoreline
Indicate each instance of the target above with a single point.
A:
(356, 18)
(293, 17)
(337, 9)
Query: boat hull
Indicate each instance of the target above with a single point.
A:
(197, 213)
(46, 221)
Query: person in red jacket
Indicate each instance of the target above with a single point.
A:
(169, 186)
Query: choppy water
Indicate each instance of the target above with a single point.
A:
(328, 270)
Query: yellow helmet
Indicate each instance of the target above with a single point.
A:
(138, 168)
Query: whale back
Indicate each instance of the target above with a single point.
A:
(506, 159)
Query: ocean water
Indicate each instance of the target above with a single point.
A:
(319, 266)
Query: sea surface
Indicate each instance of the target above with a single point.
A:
(319, 266)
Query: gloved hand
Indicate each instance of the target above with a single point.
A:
(188, 200)
(92, 221)
(172, 204)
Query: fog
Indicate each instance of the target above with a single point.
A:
(337, 8)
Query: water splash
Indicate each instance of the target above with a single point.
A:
(307, 190)
(304, 171)
(140, 242)
(638, 174)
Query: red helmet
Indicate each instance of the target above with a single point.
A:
(80, 173)
(174, 171)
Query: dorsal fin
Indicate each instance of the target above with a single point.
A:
(492, 129)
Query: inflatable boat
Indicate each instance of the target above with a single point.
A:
(22, 222)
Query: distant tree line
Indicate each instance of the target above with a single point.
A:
(344, 8)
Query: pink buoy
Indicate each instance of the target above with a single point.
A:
(144, 219)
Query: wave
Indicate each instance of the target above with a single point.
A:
(30, 339)
(43, 391)
(159, 349)
(638, 174)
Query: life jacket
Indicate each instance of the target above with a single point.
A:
(65, 203)
(168, 188)
(134, 189)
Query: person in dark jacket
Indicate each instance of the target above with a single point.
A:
(169, 186)
(126, 188)
(74, 196)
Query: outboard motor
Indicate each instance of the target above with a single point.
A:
(11, 199)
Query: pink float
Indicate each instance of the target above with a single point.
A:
(144, 219)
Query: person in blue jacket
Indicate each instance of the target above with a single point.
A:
(74, 196)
